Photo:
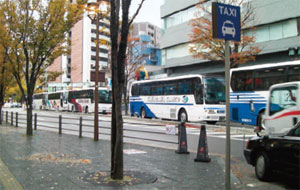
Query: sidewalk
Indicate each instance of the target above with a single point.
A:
(51, 161)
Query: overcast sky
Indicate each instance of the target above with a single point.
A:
(150, 11)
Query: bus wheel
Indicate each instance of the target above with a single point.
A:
(143, 113)
(211, 122)
(182, 116)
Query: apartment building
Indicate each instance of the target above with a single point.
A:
(77, 66)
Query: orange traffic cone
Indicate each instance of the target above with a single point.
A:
(202, 152)
(182, 140)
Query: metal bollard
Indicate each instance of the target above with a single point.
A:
(59, 124)
(35, 121)
(80, 127)
(6, 116)
(12, 118)
(16, 119)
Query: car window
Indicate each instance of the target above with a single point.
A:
(295, 132)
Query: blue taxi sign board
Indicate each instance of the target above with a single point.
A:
(226, 21)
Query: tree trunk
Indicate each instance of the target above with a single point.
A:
(29, 130)
(125, 99)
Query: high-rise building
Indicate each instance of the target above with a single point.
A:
(76, 68)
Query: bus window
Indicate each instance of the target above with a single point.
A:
(105, 96)
(185, 86)
(135, 91)
(145, 89)
(198, 91)
(242, 81)
(157, 88)
(294, 73)
(214, 90)
(170, 88)
(267, 77)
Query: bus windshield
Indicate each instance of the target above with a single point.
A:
(105, 96)
(214, 90)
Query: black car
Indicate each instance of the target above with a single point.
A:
(274, 153)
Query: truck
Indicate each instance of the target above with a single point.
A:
(283, 108)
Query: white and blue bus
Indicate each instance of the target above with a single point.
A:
(183, 98)
(250, 85)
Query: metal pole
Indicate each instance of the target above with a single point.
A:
(6, 116)
(16, 119)
(59, 124)
(227, 80)
(12, 118)
(80, 127)
(96, 127)
(35, 121)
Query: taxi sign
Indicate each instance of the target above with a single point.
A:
(226, 21)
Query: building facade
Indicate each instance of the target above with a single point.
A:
(148, 29)
(277, 35)
(76, 68)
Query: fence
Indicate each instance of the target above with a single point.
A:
(84, 126)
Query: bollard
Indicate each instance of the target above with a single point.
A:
(182, 140)
(35, 121)
(59, 124)
(80, 127)
(16, 119)
(12, 119)
(6, 116)
(1, 118)
(202, 151)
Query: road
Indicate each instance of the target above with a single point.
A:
(143, 131)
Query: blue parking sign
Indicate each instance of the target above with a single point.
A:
(226, 21)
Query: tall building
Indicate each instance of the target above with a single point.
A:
(77, 66)
(148, 29)
(276, 34)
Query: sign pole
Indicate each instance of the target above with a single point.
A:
(227, 80)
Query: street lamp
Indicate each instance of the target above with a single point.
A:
(97, 9)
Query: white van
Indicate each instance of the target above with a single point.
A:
(283, 108)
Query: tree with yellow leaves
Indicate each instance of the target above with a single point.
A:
(33, 33)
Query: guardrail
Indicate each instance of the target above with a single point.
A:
(82, 126)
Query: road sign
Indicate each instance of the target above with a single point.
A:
(226, 21)
(101, 76)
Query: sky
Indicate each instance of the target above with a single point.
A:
(150, 11)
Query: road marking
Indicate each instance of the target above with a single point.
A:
(7, 179)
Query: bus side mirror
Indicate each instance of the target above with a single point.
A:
(252, 109)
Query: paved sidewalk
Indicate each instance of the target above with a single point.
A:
(51, 161)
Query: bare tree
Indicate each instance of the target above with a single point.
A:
(119, 40)
(134, 58)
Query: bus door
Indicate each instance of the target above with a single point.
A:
(283, 109)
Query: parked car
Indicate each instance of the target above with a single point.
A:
(271, 153)
(16, 105)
